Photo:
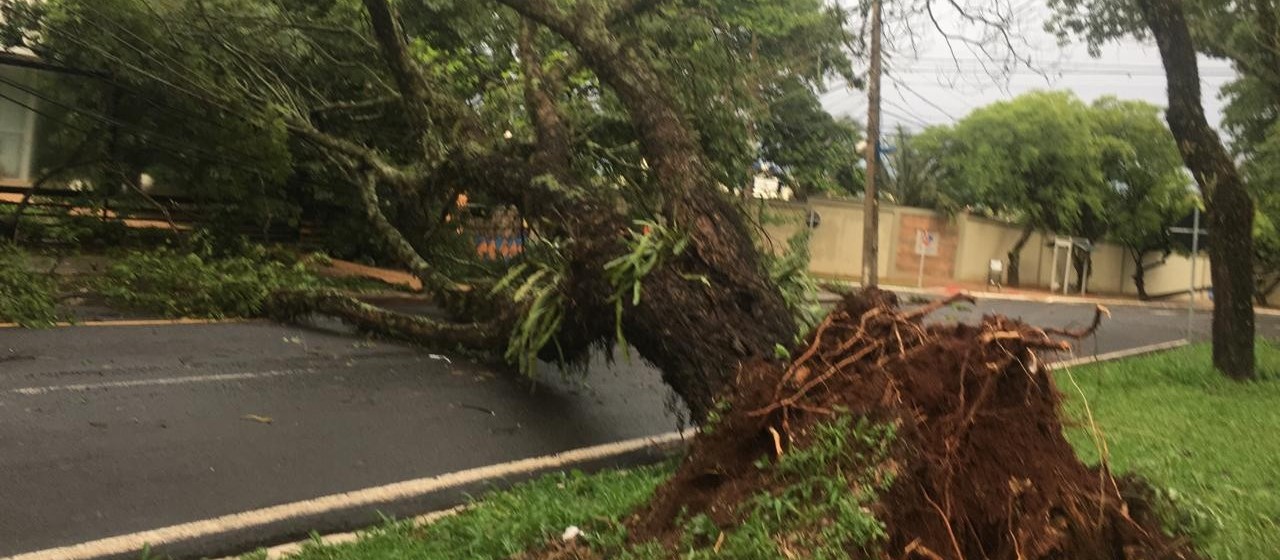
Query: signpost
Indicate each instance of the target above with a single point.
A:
(1195, 232)
(926, 246)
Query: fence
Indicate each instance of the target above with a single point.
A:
(966, 246)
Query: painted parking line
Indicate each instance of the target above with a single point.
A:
(167, 381)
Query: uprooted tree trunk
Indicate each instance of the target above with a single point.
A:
(1228, 204)
(713, 307)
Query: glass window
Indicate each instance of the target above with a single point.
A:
(17, 125)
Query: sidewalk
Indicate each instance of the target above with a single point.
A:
(1037, 296)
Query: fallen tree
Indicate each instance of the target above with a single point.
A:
(402, 106)
(887, 437)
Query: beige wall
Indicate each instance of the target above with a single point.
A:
(1173, 276)
(836, 247)
(968, 244)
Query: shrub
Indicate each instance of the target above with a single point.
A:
(198, 284)
(27, 297)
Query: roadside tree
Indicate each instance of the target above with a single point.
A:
(1244, 32)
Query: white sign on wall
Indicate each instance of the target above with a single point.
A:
(926, 243)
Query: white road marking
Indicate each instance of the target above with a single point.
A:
(133, 543)
(33, 391)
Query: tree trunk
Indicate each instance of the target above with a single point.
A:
(1081, 261)
(1228, 204)
(1015, 257)
(1264, 293)
(1139, 275)
(695, 334)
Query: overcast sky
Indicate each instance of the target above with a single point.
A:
(924, 86)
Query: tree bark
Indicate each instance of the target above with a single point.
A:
(696, 335)
(1015, 257)
(1139, 275)
(1264, 294)
(1228, 204)
(292, 306)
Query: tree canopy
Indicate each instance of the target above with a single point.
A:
(1033, 160)
(588, 116)
(1050, 162)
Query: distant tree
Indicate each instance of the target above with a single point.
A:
(913, 174)
(1033, 160)
(1148, 184)
(816, 149)
(1263, 172)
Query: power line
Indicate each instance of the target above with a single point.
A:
(172, 148)
(102, 117)
(900, 85)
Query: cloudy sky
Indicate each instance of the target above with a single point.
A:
(927, 86)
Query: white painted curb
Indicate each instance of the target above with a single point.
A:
(136, 542)
(1111, 356)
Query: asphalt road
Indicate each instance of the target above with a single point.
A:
(113, 430)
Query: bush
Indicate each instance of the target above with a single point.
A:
(198, 284)
(26, 296)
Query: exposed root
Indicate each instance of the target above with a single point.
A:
(980, 468)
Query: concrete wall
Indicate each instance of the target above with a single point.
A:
(967, 246)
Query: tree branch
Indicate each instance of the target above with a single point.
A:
(552, 153)
(628, 9)
(412, 84)
(292, 306)
(386, 172)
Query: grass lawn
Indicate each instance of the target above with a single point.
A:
(1211, 445)
(509, 522)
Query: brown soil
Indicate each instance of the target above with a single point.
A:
(982, 470)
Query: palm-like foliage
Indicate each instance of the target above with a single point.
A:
(913, 176)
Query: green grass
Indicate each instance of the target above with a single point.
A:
(811, 511)
(818, 509)
(1209, 445)
(509, 522)
(27, 297)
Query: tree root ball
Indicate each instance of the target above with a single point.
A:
(980, 466)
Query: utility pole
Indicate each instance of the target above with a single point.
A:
(871, 203)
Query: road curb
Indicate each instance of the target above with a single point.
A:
(257, 528)
(1121, 354)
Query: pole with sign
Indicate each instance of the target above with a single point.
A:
(926, 246)
(1195, 232)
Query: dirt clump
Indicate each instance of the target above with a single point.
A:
(980, 467)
